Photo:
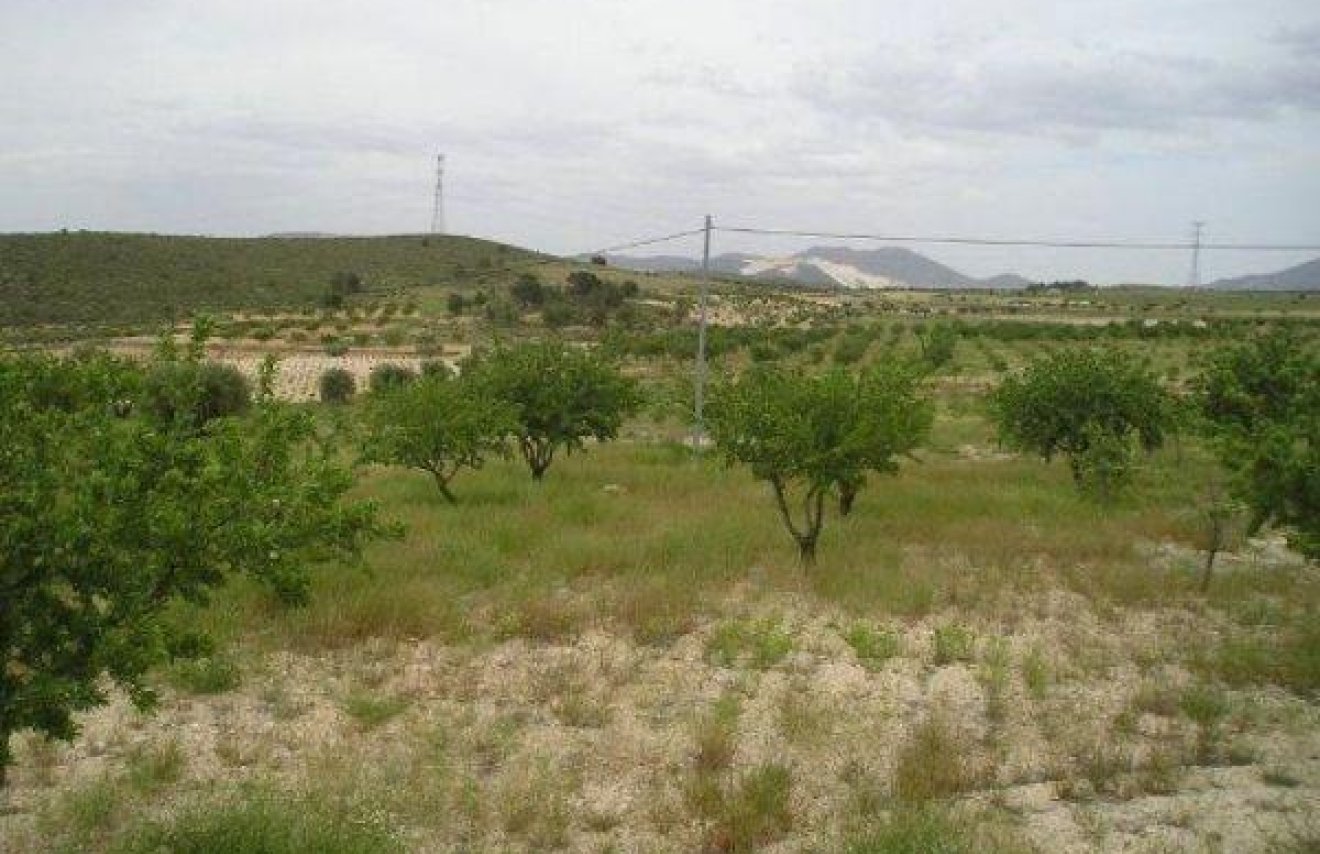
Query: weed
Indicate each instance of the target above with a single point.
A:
(1207, 707)
(759, 643)
(751, 813)
(1287, 656)
(803, 717)
(923, 830)
(717, 736)
(932, 764)
(953, 643)
(995, 677)
(534, 804)
(261, 821)
(873, 647)
(86, 812)
(1153, 698)
(153, 768)
(1279, 777)
(1036, 674)
(370, 711)
(213, 674)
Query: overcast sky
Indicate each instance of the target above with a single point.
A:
(573, 125)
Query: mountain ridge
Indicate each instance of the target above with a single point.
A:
(885, 267)
(1299, 277)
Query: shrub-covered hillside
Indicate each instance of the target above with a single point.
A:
(93, 276)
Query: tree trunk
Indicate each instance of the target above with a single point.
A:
(847, 495)
(1209, 568)
(442, 483)
(5, 756)
(807, 552)
(538, 457)
(813, 505)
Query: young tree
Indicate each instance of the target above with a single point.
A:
(1261, 398)
(1090, 406)
(109, 514)
(439, 425)
(561, 395)
(810, 435)
(337, 386)
(527, 290)
(938, 341)
(388, 376)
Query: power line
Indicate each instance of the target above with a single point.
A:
(557, 259)
(994, 241)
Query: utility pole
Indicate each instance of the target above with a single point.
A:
(699, 427)
(1195, 280)
(438, 212)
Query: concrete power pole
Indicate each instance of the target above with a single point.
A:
(699, 426)
(1194, 281)
(438, 212)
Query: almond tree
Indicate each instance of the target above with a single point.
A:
(111, 511)
(437, 424)
(813, 436)
(561, 396)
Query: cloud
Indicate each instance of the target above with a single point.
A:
(1071, 90)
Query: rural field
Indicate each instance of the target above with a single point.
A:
(992, 651)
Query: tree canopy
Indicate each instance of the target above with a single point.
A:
(111, 510)
(560, 395)
(811, 435)
(1261, 398)
(438, 424)
(1089, 405)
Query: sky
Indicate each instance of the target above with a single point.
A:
(572, 125)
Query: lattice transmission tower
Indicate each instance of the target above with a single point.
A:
(438, 211)
(1194, 280)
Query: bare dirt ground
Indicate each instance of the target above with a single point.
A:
(1059, 721)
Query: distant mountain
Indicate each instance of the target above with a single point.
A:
(833, 266)
(1007, 282)
(1303, 277)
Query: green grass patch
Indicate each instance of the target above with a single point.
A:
(261, 822)
(758, 643)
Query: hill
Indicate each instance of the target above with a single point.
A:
(118, 278)
(834, 266)
(1303, 277)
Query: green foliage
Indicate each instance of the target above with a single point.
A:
(924, 830)
(389, 376)
(760, 643)
(192, 391)
(873, 648)
(818, 433)
(370, 711)
(932, 765)
(343, 284)
(1288, 657)
(262, 823)
(1088, 405)
(748, 814)
(561, 396)
(209, 674)
(337, 385)
(437, 424)
(109, 514)
(938, 342)
(527, 290)
(1262, 400)
(954, 643)
(455, 303)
